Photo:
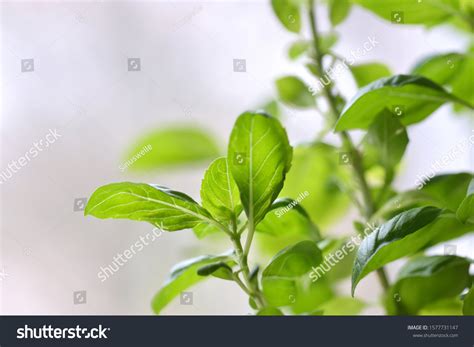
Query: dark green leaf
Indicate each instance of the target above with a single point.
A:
(412, 98)
(183, 276)
(160, 206)
(171, 147)
(288, 13)
(219, 193)
(425, 280)
(218, 269)
(259, 158)
(294, 92)
(338, 10)
(369, 72)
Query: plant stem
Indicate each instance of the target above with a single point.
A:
(356, 157)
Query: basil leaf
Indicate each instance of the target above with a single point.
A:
(183, 276)
(465, 211)
(219, 193)
(425, 280)
(218, 269)
(382, 245)
(293, 92)
(298, 48)
(369, 72)
(338, 11)
(412, 98)
(279, 279)
(160, 206)
(259, 158)
(171, 147)
(428, 13)
(270, 311)
(288, 13)
(343, 306)
(450, 69)
(386, 141)
(468, 306)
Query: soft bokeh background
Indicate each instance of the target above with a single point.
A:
(81, 87)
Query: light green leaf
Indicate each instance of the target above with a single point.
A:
(327, 41)
(183, 276)
(270, 311)
(294, 92)
(412, 98)
(280, 277)
(468, 305)
(451, 69)
(288, 217)
(160, 206)
(426, 280)
(465, 211)
(382, 245)
(443, 307)
(429, 12)
(317, 170)
(273, 109)
(342, 306)
(338, 11)
(386, 141)
(219, 193)
(288, 13)
(170, 147)
(298, 48)
(369, 72)
(259, 158)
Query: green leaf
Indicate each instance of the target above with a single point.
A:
(386, 141)
(382, 245)
(294, 92)
(160, 206)
(326, 201)
(279, 279)
(288, 13)
(465, 211)
(426, 280)
(338, 11)
(342, 306)
(218, 269)
(327, 41)
(443, 307)
(288, 217)
(171, 147)
(369, 72)
(270, 311)
(468, 306)
(412, 98)
(273, 109)
(183, 276)
(428, 13)
(404, 235)
(298, 48)
(219, 192)
(450, 69)
(259, 158)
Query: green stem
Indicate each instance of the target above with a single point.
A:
(357, 162)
